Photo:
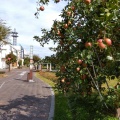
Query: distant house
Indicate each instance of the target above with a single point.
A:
(7, 48)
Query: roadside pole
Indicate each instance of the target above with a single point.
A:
(31, 65)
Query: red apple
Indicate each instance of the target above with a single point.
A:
(108, 41)
(42, 8)
(72, 8)
(100, 40)
(87, 1)
(101, 45)
(65, 26)
(88, 44)
(63, 80)
(78, 69)
(79, 61)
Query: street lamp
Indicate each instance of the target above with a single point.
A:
(31, 64)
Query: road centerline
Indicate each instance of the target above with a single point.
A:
(2, 85)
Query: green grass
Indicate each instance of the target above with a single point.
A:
(111, 82)
(62, 110)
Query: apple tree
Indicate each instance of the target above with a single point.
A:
(88, 48)
(10, 59)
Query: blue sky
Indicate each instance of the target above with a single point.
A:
(19, 14)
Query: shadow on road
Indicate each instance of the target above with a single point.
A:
(26, 108)
(20, 79)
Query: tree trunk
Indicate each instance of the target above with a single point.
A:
(9, 67)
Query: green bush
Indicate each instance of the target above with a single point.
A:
(84, 108)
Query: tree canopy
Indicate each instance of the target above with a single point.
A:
(4, 30)
(36, 58)
(26, 61)
(10, 58)
(88, 49)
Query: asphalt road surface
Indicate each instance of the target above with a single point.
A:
(22, 100)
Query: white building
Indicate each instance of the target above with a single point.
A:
(5, 49)
(26, 54)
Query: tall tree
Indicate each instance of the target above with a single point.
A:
(4, 30)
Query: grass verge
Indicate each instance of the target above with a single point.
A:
(79, 111)
(62, 110)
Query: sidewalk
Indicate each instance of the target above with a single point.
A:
(21, 100)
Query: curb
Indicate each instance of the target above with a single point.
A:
(51, 113)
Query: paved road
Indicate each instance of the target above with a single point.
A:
(22, 100)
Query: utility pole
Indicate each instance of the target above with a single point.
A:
(31, 65)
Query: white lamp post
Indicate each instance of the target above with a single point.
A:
(31, 65)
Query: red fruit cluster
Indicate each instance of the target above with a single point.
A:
(101, 43)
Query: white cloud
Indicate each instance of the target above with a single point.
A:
(19, 14)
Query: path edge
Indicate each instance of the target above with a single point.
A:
(52, 105)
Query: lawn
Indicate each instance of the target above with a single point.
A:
(2, 74)
(62, 109)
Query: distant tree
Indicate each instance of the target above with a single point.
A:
(36, 58)
(10, 59)
(26, 61)
(52, 59)
(4, 30)
(20, 63)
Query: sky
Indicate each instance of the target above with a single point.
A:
(19, 15)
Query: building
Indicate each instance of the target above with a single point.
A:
(5, 49)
